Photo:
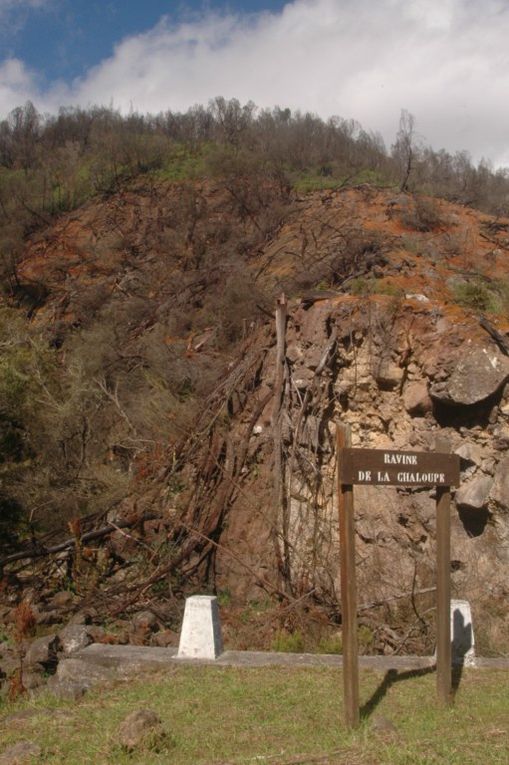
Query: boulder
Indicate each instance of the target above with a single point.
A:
(85, 673)
(142, 626)
(476, 377)
(475, 494)
(61, 599)
(53, 616)
(138, 727)
(144, 620)
(43, 652)
(501, 438)
(74, 637)
(470, 452)
(8, 661)
(499, 493)
(416, 398)
(389, 375)
(33, 679)
(164, 638)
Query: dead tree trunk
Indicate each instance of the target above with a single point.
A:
(281, 519)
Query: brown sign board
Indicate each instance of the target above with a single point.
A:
(398, 468)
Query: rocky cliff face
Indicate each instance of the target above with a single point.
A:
(401, 373)
(402, 369)
(382, 332)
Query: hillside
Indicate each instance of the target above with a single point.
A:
(139, 356)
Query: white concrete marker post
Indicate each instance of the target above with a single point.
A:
(462, 633)
(200, 637)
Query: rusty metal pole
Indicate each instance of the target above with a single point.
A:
(444, 650)
(348, 588)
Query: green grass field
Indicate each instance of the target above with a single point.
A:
(273, 715)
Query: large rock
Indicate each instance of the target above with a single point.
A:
(475, 494)
(416, 399)
(499, 493)
(43, 652)
(476, 377)
(164, 639)
(82, 672)
(61, 599)
(74, 637)
(470, 452)
(389, 375)
(142, 626)
(33, 679)
(144, 620)
(139, 726)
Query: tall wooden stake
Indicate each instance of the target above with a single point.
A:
(348, 588)
(280, 510)
(444, 651)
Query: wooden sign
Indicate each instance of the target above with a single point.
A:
(399, 468)
(392, 468)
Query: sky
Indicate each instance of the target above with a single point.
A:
(444, 61)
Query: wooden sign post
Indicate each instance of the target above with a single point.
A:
(348, 587)
(444, 650)
(390, 467)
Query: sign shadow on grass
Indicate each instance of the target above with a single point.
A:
(461, 644)
(391, 677)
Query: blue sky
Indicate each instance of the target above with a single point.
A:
(62, 39)
(445, 61)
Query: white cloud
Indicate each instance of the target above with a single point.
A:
(16, 84)
(446, 61)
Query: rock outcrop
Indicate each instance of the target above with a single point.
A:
(401, 379)
(242, 483)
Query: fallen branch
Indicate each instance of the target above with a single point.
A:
(260, 580)
(377, 603)
(501, 340)
(40, 551)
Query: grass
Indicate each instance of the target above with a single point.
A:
(182, 164)
(274, 715)
(312, 180)
(362, 287)
(489, 297)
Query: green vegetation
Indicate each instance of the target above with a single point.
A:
(328, 178)
(309, 181)
(362, 286)
(182, 164)
(486, 296)
(288, 642)
(218, 715)
(52, 164)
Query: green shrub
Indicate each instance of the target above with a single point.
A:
(288, 642)
(311, 181)
(362, 286)
(365, 637)
(330, 644)
(477, 296)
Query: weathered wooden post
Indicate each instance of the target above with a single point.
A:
(444, 650)
(348, 587)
